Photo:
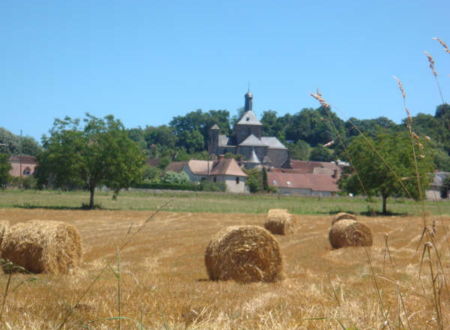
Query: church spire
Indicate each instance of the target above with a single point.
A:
(248, 101)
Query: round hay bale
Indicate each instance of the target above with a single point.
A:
(347, 232)
(279, 222)
(341, 216)
(4, 227)
(42, 247)
(244, 254)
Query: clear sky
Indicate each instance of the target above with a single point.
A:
(148, 61)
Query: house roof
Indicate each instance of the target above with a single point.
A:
(249, 118)
(175, 166)
(23, 159)
(272, 142)
(252, 141)
(215, 126)
(315, 182)
(303, 166)
(222, 166)
(225, 141)
(254, 159)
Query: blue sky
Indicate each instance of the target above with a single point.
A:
(148, 61)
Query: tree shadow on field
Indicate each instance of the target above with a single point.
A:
(381, 214)
(84, 207)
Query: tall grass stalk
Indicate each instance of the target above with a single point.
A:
(128, 237)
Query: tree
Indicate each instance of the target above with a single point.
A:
(15, 144)
(5, 167)
(321, 154)
(100, 153)
(386, 165)
(299, 150)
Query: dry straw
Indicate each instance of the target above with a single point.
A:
(443, 44)
(279, 222)
(342, 216)
(4, 227)
(349, 232)
(43, 247)
(244, 254)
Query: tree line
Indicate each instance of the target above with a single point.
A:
(388, 159)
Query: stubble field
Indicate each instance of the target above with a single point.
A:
(158, 280)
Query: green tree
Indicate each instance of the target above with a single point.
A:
(5, 167)
(386, 165)
(254, 180)
(99, 153)
(299, 150)
(321, 154)
(15, 144)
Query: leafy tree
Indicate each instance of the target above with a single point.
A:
(315, 126)
(15, 144)
(370, 127)
(5, 167)
(197, 123)
(299, 150)
(160, 135)
(137, 135)
(321, 154)
(175, 178)
(254, 180)
(99, 153)
(272, 125)
(385, 165)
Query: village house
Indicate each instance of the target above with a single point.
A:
(306, 178)
(434, 190)
(22, 166)
(224, 170)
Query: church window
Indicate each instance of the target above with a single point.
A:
(237, 180)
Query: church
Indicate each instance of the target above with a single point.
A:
(247, 140)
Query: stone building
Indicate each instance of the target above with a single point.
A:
(247, 140)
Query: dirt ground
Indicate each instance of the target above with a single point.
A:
(163, 281)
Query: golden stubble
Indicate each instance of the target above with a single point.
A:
(163, 280)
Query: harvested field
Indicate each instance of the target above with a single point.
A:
(163, 281)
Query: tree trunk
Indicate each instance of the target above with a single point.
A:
(91, 197)
(384, 197)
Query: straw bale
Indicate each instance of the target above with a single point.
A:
(341, 216)
(348, 232)
(279, 222)
(43, 247)
(4, 227)
(244, 254)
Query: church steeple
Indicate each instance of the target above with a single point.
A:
(248, 101)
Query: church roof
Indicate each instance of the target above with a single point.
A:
(249, 118)
(225, 141)
(272, 142)
(215, 126)
(252, 141)
(254, 159)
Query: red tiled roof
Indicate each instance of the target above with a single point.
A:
(25, 159)
(175, 166)
(315, 182)
(222, 166)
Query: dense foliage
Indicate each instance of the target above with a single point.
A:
(16, 144)
(304, 133)
(99, 153)
(5, 166)
(389, 164)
